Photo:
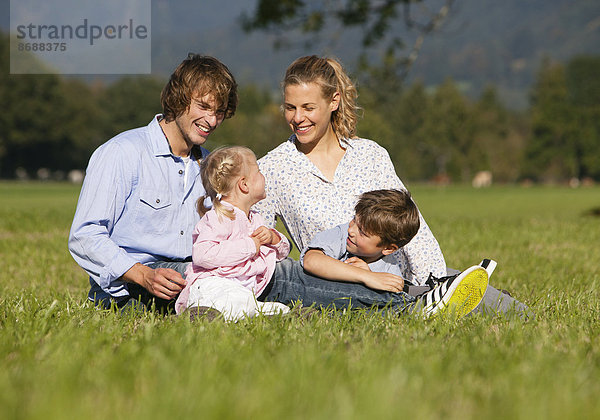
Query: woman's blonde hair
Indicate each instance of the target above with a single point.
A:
(220, 170)
(329, 74)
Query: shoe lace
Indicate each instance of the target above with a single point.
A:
(433, 281)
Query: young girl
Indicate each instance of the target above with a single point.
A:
(231, 242)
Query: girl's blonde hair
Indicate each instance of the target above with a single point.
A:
(329, 74)
(220, 170)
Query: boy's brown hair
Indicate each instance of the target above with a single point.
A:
(199, 75)
(390, 214)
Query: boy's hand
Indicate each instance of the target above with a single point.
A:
(385, 281)
(357, 262)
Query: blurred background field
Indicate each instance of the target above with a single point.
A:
(511, 87)
(61, 358)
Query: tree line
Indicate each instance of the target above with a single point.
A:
(54, 122)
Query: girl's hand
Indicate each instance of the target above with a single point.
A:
(357, 262)
(257, 243)
(264, 236)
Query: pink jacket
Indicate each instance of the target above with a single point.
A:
(223, 248)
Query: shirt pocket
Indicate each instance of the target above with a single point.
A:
(155, 211)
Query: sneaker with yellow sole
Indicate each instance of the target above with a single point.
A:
(458, 294)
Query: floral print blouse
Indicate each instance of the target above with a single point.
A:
(308, 203)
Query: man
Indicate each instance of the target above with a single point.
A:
(132, 228)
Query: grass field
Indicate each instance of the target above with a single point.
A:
(60, 358)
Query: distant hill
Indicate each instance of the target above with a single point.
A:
(482, 42)
(503, 43)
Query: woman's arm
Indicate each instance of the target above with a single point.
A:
(423, 252)
(267, 207)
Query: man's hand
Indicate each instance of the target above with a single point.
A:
(384, 281)
(264, 236)
(164, 283)
(357, 262)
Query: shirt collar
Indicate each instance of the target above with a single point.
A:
(344, 143)
(237, 211)
(300, 158)
(160, 144)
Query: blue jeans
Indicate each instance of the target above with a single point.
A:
(140, 299)
(291, 283)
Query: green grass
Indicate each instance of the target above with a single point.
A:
(60, 358)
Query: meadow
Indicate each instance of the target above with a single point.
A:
(61, 358)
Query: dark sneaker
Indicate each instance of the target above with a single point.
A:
(459, 294)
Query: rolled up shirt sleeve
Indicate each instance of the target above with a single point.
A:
(331, 241)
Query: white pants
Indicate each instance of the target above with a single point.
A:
(229, 297)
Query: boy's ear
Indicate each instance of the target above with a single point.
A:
(390, 249)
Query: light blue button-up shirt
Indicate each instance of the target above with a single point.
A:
(133, 207)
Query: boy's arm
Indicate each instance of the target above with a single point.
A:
(321, 265)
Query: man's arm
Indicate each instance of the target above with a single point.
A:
(103, 195)
(318, 264)
(101, 201)
(423, 252)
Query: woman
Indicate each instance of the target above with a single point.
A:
(315, 177)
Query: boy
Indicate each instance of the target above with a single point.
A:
(361, 252)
